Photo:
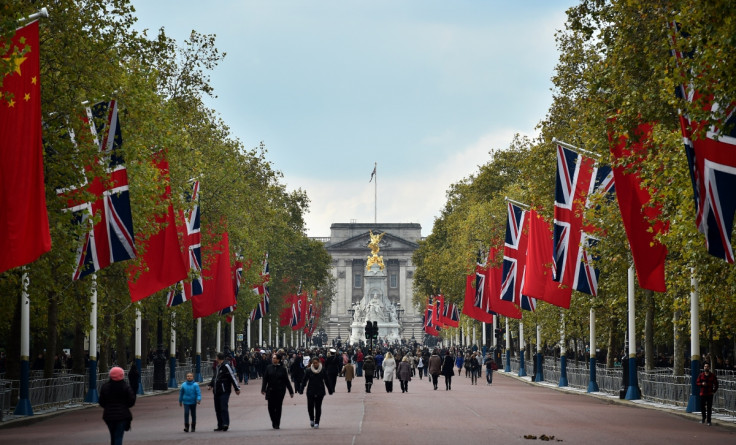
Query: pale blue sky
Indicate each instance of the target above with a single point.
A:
(423, 87)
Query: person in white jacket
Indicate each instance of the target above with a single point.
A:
(389, 369)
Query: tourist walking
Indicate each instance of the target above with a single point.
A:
(274, 386)
(190, 396)
(448, 370)
(403, 372)
(333, 363)
(296, 370)
(459, 363)
(348, 371)
(116, 398)
(434, 367)
(420, 366)
(491, 366)
(389, 368)
(315, 382)
(475, 368)
(708, 384)
(222, 383)
(369, 367)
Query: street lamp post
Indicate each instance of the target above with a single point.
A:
(399, 313)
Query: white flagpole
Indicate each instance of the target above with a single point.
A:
(375, 195)
(218, 346)
(172, 353)
(232, 334)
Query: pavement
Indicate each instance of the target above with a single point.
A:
(511, 410)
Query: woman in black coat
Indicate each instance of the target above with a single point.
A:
(274, 386)
(116, 398)
(315, 382)
(447, 370)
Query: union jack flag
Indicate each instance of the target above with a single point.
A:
(712, 162)
(261, 289)
(450, 315)
(110, 239)
(578, 178)
(586, 274)
(185, 290)
(430, 326)
(514, 259)
(480, 281)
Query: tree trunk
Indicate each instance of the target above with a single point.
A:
(78, 357)
(611, 345)
(649, 330)
(12, 358)
(145, 340)
(678, 357)
(103, 362)
(120, 337)
(52, 312)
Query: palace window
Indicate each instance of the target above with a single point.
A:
(358, 281)
(394, 280)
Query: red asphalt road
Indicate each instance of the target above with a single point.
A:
(502, 413)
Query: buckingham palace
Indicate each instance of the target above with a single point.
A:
(348, 245)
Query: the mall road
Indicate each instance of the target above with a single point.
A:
(509, 411)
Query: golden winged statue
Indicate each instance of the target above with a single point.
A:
(374, 258)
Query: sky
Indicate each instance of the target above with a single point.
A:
(423, 89)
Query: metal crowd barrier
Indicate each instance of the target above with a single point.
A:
(65, 390)
(659, 385)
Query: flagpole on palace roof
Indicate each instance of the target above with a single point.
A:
(375, 193)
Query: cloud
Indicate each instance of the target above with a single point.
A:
(416, 197)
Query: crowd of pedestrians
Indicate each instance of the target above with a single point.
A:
(314, 373)
(309, 372)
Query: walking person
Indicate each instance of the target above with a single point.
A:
(459, 363)
(296, 370)
(389, 368)
(435, 367)
(116, 398)
(315, 382)
(190, 396)
(359, 363)
(369, 367)
(333, 363)
(274, 386)
(708, 384)
(134, 377)
(379, 364)
(403, 372)
(348, 371)
(420, 366)
(491, 366)
(475, 368)
(222, 383)
(448, 365)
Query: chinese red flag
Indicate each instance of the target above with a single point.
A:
(218, 292)
(163, 264)
(24, 221)
(637, 211)
(538, 282)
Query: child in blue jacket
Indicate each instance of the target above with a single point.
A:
(190, 396)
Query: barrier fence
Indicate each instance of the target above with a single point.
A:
(658, 385)
(67, 390)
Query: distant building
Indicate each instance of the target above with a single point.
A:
(348, 246)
